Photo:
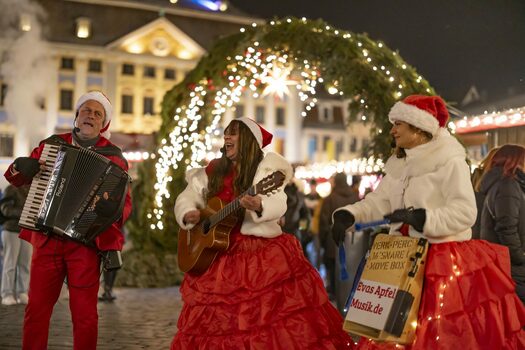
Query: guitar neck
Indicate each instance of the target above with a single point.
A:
(230, 208)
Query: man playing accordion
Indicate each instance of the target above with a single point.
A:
(54, 257)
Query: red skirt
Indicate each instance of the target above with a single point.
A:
(260, 294)
(468, 302)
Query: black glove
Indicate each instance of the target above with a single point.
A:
(342, 221)
(106, 207)
(29, 167)
(414, 217)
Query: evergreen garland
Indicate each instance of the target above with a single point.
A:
(344, 59)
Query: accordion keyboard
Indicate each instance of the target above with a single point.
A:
(38, 188)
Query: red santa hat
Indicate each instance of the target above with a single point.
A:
(263, 136)
(428, 113)
(104, 101)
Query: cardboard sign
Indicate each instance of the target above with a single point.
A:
(386, 299)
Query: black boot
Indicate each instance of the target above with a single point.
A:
(109, 280)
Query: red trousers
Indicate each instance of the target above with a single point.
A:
(50, 264)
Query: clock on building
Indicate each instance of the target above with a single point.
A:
(160, 46)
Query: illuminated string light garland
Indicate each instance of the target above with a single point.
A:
(359, 166)
(252, 70)
(246, 72)
(487, 121)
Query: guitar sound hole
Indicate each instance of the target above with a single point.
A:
(205, 226)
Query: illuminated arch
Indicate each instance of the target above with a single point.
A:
(367, 73)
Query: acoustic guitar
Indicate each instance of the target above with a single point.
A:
(199, 246)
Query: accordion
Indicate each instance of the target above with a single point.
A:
(62, 198)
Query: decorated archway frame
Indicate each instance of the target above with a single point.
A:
(365, 72)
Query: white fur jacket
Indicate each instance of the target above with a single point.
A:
(434, 176)
(274, 205)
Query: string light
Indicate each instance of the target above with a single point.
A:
(486, 121)
(256, 69)
(327, 170)
(260, 72)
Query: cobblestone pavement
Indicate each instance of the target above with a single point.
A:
(138, 319)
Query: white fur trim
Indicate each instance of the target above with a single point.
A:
(104, 101)
(414, 116)
(254, 128)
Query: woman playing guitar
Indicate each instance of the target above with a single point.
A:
(261, 292)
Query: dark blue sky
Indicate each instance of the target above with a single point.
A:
(452, 43)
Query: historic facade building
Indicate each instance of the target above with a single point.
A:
(135, 51)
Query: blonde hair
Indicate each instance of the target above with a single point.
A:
(484, 166)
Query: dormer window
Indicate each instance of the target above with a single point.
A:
(25, 22)
(327, 115)
(83, 27)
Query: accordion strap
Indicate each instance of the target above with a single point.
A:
(109, 150)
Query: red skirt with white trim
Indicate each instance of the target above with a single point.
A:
(260, 294)
(468, 301)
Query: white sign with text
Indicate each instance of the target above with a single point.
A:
(371, 304)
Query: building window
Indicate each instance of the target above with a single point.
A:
(148, 106)
(239, 111)
(326, 139)
(3, 92)
(327, 115)
(279, 116)
(149, 72)
(364, 143)
(128, 69)
(259, 114)
(83, 27)
(95, 66)
(6, 145)
(127, 104)
(66, 100)
(169, 74)
(25, 22)
(338, 148)
(67, 63)
(353, 145)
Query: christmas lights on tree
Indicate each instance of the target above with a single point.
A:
(264, 60)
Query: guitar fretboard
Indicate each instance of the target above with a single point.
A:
(229, 208)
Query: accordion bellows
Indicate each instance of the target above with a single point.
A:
(62, 198)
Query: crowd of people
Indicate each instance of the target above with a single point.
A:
(266, 290)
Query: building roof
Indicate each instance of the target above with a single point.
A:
(112, 19)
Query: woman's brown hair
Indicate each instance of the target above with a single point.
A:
(249, 155)
(509, 157)
(484, 167)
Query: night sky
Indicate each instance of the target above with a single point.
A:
(453, 43)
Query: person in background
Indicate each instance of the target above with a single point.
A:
(17, 252)
(313, 201)
(261, 293)
(476, 177)
(109, 282)
(356, 182)
(296, 219)
(1, 245)
(503, 211)
(468, 298)
(55, 258)
(341, 195)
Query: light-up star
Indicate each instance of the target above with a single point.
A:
(277, 82)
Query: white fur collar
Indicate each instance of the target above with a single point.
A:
(273, 162)
(426, 158)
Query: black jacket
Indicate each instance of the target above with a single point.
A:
(503, 216)
(12, 207)
(296, 209)
(341, 195)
